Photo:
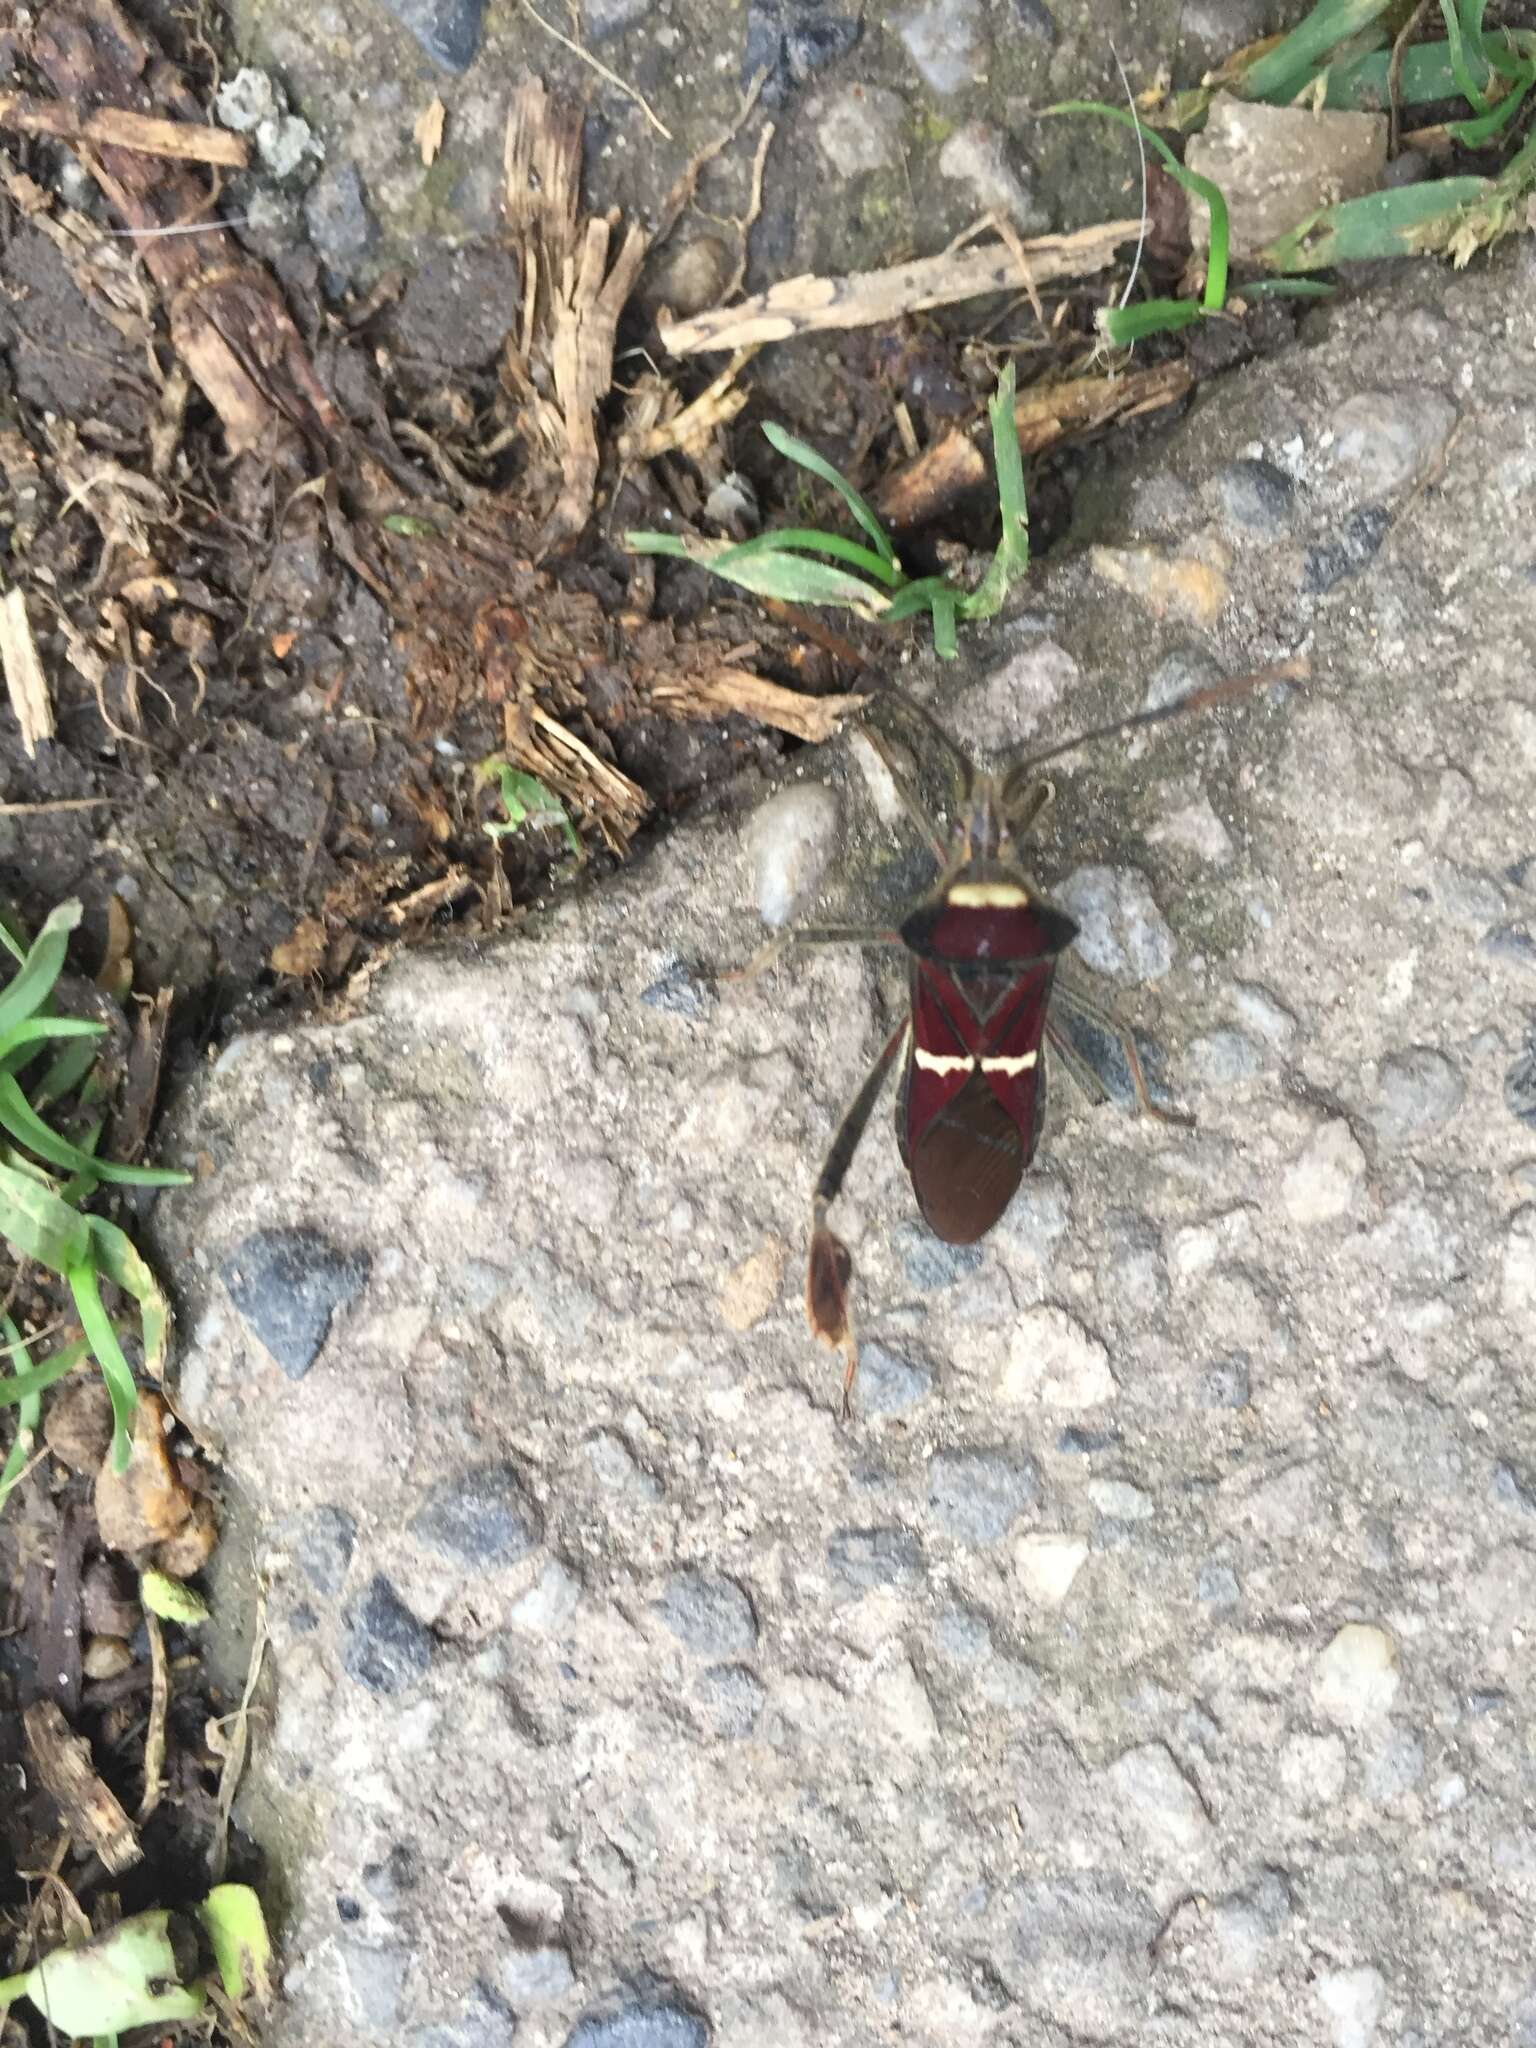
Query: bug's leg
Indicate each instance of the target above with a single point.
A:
(1115, 1028)
(829, 1268)
(911, 802)
(810, 935)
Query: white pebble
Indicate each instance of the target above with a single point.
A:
(1357, 1676)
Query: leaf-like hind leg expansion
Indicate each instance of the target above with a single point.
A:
(829, 1268)
(1115, 1028)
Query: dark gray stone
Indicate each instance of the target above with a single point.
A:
(1217, 1585)
(927, 1261)
(535, 1976)
(1520, 1085)
(962, 1633)
(1225, 1383)
(1355, 543)
(710, 1615)
(481, 1517)
(641, 2026)
(1513, 1491)
(887, 1382)
(481, 2022)
(1511, 942)
(320, 1541)
(875, 1557)
(1077, 1442)
(458, 309)
(288, 1282)
(680, 989)
(975, 1495)
(604, 18)
(790, 41)
(1037, 20)
(732, 1697)
(395, 1878)
(384, 1647)
(1256, 494)
(336, 214)
(448, 30)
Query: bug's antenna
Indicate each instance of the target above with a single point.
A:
(1296, 670)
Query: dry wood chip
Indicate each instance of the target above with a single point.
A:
(147, 133)
(89, 1810)
(25, 683)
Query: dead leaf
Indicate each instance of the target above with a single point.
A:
(114, 977)
(282, 644)
(429, 130)
(148, 593)
(183, 1555)
(147, 1503)
(302, 953)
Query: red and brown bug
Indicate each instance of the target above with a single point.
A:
(984, 1005)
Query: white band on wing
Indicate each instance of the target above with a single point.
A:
(999, 1063)
(945, 1062)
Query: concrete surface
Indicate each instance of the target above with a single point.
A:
(1149, 1661)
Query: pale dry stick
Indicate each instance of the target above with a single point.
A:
(1395, 77)
(1000, 225)
(149, 134)
(238, 1743)
(602, 70)
(159, 1708)
(744, 226)
(808, 305)
(716, 406)
(25, 683)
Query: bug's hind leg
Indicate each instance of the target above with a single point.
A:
(829, 1268)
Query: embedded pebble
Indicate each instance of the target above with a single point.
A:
(1324, 1181)
(1243, 1922)
(977, 156)
(1122, 932)
(535, 1976)
(243, 102)
(615, 1467)
(601, 19)
(927, 1261)
(376, 1979)
(1357, 1675)
(1047, 1565)
(1517, 1294)
(888, 1383)
(752, 1289)
(1511, 942)
(288, 1282)
(1196, 827)
(710, 1615)
(687, 276)
(1256, 494)
(1012, 699)
(641, 2026)
(732, 1696)
(384, 1647)
(1520, 1086)
(791, 841)
(963, 1634)
(1352, 2002)
(1120, 1501)
(1149, 1790)
(448, 30)
(944, 41)
(859, 130)
(1259, 1010)
(1396, 1767)
(1224, 1383)
(550, 1600)
(337, 217)
(1416, 1090)
(320, 1541)
(875, 1557)
(1386, 439)
(678, 988)
(974, 1496)
(1197, 1246)
(1217, 1585)
(902, 1708)
(1223, 1059)
(789, 41)
(480, 1517)
(1054, 1361)
(1354, 543)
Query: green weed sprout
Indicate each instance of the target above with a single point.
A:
(526, 801)
(868, 579)
(45, 1181)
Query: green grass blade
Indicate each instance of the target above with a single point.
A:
(125, 1266)
(1012, 556)
(672, 544)
(1122, 325)
(1461, 70)
(108, 1352)
(1488, 127)
(1215, 296)
(1402, 222)
(67, 1069)
(1281, 73)
(37, 1378)
(39, 1224)
(29, 1414)
(1361, 87)
(945, 644)
(33, 982)
(24, 1124)
(801, 452)
(1287, 288)
(916, 597)
(811, 539)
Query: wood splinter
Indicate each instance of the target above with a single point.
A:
(89, 1809)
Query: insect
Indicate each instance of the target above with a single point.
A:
(984, 1004)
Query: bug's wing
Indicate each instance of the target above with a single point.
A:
(967, 1162)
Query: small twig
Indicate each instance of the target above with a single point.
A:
(1400, 43)
(237, 1744)
(602, 71)
(149, 134)
(744, 226)
(159, 1709)
(25, 682)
